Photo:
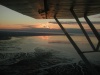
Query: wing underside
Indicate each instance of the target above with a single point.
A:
(42, 9)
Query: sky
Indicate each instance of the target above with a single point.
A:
(10, 19)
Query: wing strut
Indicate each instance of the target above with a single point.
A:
(89, 65)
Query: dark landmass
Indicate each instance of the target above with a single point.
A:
(45, 30)
(5, 38)
(46, 66)
(39, 32)
(6, 35)
(42, 62)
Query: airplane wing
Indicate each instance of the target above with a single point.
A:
(42, 9)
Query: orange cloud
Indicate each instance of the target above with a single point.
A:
(11, 27)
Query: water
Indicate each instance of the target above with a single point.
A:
(59, 44)
(44, 51)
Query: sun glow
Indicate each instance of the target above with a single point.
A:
(44, 37)
(46, 25)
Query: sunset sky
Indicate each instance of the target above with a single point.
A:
(10, 19)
